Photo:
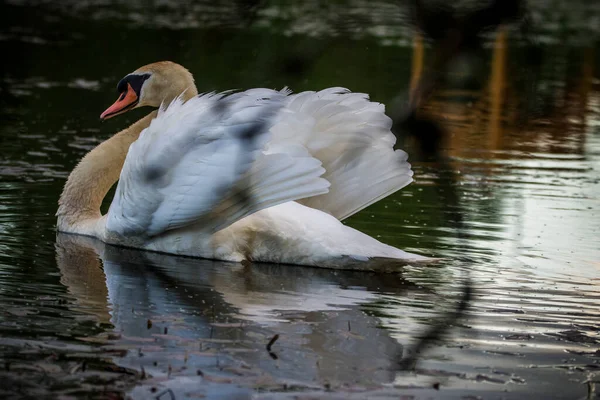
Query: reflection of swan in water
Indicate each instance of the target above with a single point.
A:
(309, 308)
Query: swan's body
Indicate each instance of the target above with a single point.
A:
(259, 175)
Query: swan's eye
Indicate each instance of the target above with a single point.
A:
(135, 81)
(122, 85)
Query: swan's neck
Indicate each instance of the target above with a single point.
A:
(79, 204)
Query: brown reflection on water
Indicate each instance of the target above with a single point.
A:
(492, 119)
(82, 275)
(497, 88)
(417, 66)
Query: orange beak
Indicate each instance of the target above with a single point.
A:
(125, 102)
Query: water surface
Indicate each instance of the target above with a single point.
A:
(514, 208)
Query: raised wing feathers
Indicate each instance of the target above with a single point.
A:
(193, 159)
(220, 157)
(351, 136)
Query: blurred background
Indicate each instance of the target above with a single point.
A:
(497, 104)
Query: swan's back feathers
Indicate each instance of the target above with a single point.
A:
(351, 136)
(197, 158)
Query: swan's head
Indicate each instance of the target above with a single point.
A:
(151, 85)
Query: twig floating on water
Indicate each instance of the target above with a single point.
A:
(169, 391)
(272, 341)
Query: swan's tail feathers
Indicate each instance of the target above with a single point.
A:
(272, 180)
(352, 138)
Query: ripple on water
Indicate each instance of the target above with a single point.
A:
(520, 220)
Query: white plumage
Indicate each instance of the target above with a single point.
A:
(260, 175)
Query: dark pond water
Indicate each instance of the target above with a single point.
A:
(516, 208)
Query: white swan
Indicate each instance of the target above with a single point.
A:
(258, 175)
